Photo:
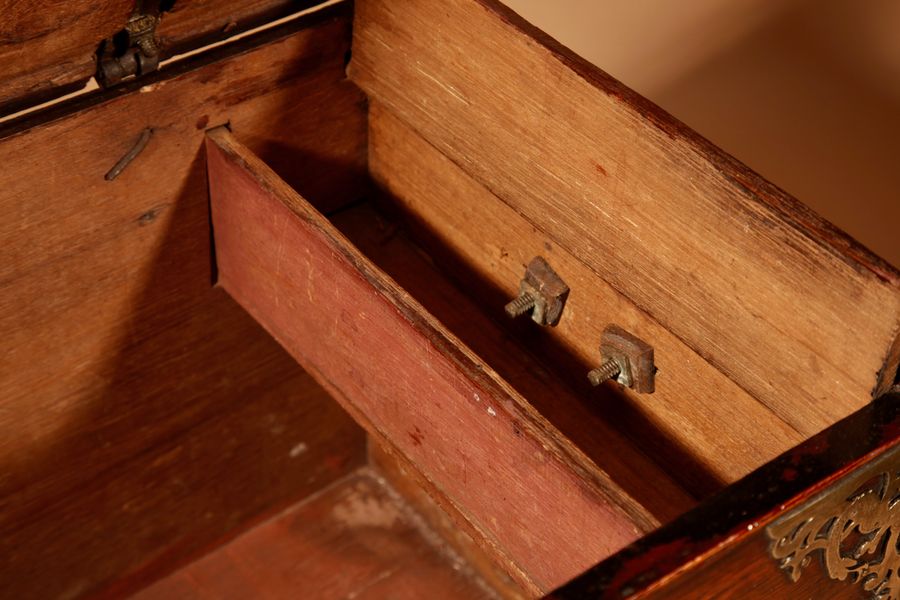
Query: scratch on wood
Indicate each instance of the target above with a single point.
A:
(453, 91)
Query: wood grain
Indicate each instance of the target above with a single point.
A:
(115, 342)
(288, 100)
(356, 539)
(188, 25)
(705, 443)
(408, 379)
(791, 310)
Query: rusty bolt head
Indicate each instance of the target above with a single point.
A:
(634, 357)
(548, 290)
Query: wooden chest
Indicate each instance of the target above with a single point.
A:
(693, 399)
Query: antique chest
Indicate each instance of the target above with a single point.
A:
(405, 300)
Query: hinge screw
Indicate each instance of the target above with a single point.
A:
(521, 305)
(608, 370)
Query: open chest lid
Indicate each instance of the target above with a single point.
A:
(48, 49)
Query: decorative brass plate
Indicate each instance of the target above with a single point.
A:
(853, 528)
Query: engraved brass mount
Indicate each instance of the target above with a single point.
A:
(852, 529)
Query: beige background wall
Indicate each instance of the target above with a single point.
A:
(806, 93)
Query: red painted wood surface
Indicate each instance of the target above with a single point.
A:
(534, 495)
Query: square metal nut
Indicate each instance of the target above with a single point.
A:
(548, 289)
(633, 355)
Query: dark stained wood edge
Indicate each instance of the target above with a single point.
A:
(798, 215)
(744, 508)
(61, 110)
(889, 374)
(42, 95)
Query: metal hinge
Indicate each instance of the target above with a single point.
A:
(134, 51)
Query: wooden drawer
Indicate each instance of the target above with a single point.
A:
(544, 508)
(374, 211)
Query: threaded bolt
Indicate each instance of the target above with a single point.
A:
(604, 372)
(521, 305)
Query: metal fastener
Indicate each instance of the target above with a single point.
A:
(134, 50)
(608, 370)
(130, 155)
(627, 359)
(520, 305)
(541, 292)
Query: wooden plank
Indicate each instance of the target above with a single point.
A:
(408, 379)
(844, 476)
(482, 239)
(790, 309)
(115, 342)
(356, 539)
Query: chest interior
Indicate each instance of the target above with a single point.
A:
(361, 190)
